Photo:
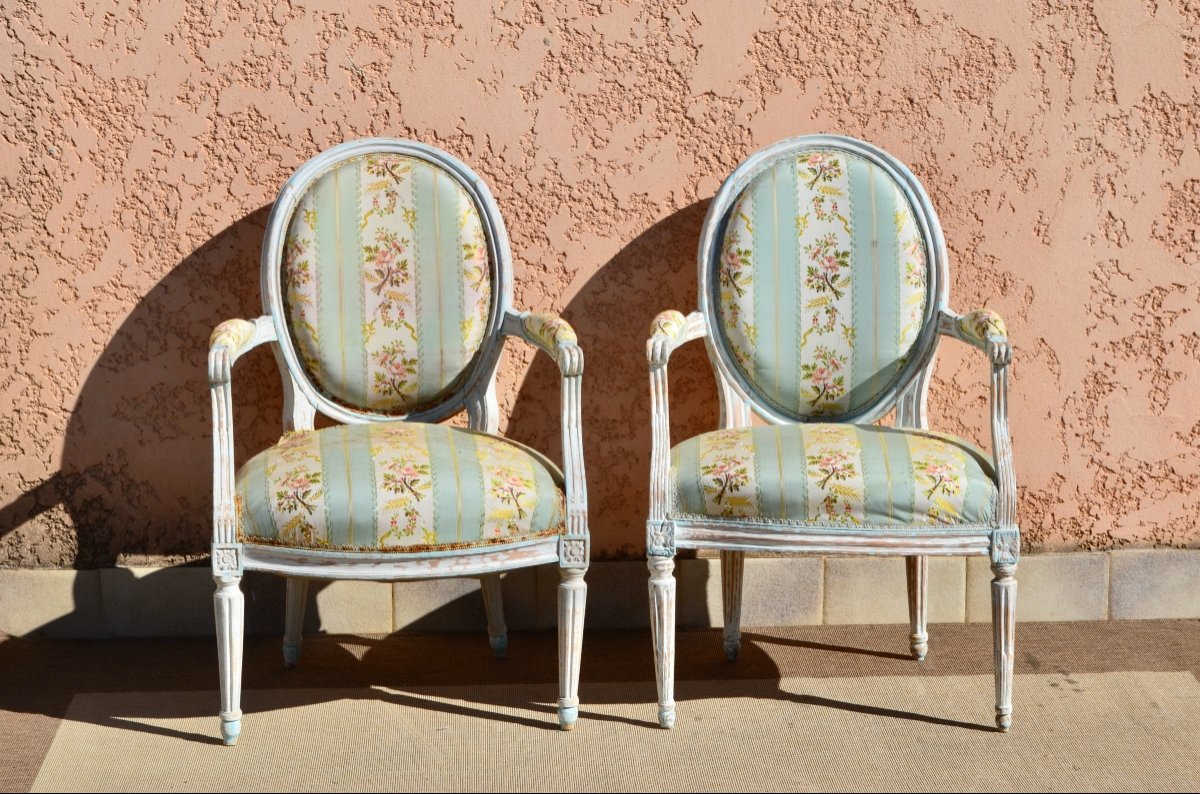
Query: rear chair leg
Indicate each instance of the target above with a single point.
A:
(732, 567)
(493, 603)
(293, 620)
(918, 605)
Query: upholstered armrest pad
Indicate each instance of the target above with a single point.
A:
(981, 325)
(670, 324)
(549, 330)
(233, 334)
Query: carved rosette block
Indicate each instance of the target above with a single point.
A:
(660, 539)
(227, 559)
(574, 551)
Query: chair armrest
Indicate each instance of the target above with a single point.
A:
(230, 340)
(555, 336)
(669, 330)
(981, 328)
(550, 333)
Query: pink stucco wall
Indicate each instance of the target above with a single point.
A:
(143, 145)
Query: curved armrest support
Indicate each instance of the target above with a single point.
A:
(984, 328)
(668, 331)
(555, 336)
(229, 341)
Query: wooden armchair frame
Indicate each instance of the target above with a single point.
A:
(476, 396)
(734, 537)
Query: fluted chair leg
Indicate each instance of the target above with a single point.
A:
(662, 629)
(293, 620)
(918, 605)
(572, 598)
(1004, 624)
(493, 603)
(229, 605)
(732, 567)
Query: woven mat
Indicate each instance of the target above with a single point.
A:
(1076, 732)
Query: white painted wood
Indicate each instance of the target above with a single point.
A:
(917, 570)
(572, 598)
(477, 396)
(493, 604)
(229, 605)
(733, 566)
(662, 631)
(293, 620)
(667, 531)
(1004, 625)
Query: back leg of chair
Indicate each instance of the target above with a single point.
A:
(1004, 624)
(572, 599)
(293, 620)
(918, 605)
(230, 607)
(493, 603)
(662, 630)
(732, 567)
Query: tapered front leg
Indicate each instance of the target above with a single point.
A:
(1004, 624)
(493, 603)
(293, 620)
(572, 598)
(229, 605)
(732, 567)
(662, 630)
(918, 605)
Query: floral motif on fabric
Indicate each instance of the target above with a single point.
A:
(939, 471)
(296, 490)
(914, 276)
(980, 324)
(477, 275)
(836, 488)
(234, 334)
(510, 489)
(549, 330)
(727, 474)
(824, 238)
(405, 491)
(300, 281)
(736, 283)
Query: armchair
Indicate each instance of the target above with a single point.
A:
(387, 292)
(823, 292)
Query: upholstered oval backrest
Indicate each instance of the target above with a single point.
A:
(820, 287)
(387, 287)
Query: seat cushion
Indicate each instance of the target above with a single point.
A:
(397, 487)
(834, 475)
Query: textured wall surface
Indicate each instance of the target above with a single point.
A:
(143, 145)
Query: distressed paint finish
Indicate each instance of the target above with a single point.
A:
(144, 142)
(670, 526)
(475, 396)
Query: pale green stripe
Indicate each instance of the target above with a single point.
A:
(875, 475)
(685, 459)
(351, 343)
(794, 466)
(337, 483)
(339, 295)
(545, 489)
(765, 268)
(975, 496)
(886, 285)
(429, 262)
(453, 352)
(446, 487)
(791, 293)
(328, 313)
(902, 484)
(768, 479)
(364, 529)
(470, 477)
(256, 492)
(864, 260)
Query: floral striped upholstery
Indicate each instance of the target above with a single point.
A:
(396, 487)
(834, 475)
(387, 284)
(822, 286)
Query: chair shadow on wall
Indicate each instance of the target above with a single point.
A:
(135, 479)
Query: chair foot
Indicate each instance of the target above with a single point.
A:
(230, 731)
(919, 644)
(732, 649)
(666, 716)
(291, 654)
(567, 715)
(499, 646)
(1003, 721)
